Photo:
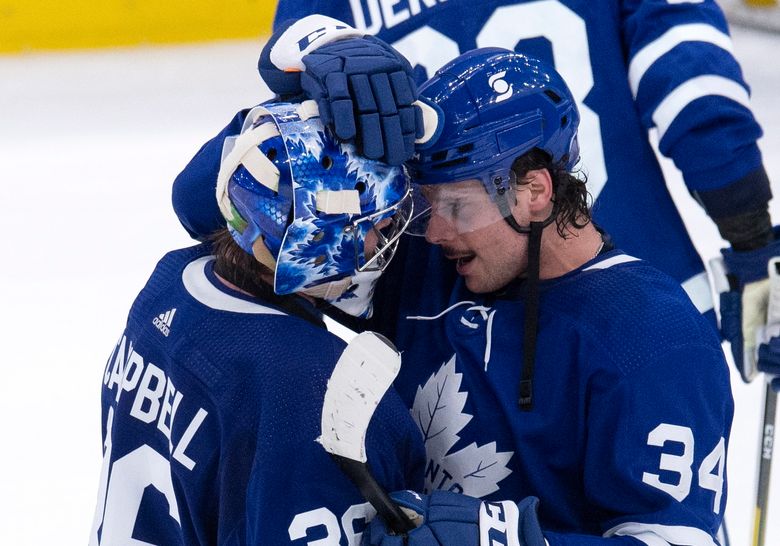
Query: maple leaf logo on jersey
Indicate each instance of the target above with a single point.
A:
(438, 410)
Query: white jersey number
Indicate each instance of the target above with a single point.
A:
(322, 517)
(710, 473)
(121, 490)
(508, 25)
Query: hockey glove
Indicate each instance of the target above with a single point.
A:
(769, 335)
(364, 88)
(451, 519)
(741, 278)
(769, 357)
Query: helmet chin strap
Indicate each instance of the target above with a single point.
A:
(531, 319)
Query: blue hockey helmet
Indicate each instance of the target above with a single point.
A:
(495, 105)
(307, 206)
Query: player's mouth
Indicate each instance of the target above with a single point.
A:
(462, 261)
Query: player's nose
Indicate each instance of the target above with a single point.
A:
(439, 230)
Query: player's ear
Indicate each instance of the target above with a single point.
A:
(540, 186)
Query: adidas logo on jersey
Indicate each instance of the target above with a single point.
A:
(163, 321)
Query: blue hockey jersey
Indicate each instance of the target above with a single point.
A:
(211, 407)
(632, 404)
(631, 65)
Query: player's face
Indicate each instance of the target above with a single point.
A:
(372, 238)
(466, 223)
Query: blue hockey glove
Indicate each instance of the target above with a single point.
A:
(451, 519)
(363, 87)
(742, 281)
(769, 359)
(769, 335)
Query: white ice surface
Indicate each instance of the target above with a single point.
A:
(89, 145)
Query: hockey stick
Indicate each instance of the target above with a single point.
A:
(362, 375)
(768, 425)
(764, 466)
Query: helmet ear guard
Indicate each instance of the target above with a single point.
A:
(303, 203)
(433, 123)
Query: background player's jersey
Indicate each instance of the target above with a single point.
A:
(211, 407)
(631, 403)
(631, 65)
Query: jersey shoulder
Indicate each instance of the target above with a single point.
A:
(218, 333)
(635, 313)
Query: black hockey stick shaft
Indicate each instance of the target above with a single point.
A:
(766, 447)
(765, 465)
(386, 508)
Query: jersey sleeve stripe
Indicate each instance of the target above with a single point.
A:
(695, 88)
(698, 289)
(663, 535)
(649, 54)
(200, 288)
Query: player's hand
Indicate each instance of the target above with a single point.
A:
(364, 88)
(744, 295)
(769, 335)
(769, 356)
(451, 519)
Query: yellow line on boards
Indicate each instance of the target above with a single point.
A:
(32, 25)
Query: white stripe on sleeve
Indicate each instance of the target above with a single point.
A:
(691, 90)
(695, 32)
(698, 289)
(663, 535)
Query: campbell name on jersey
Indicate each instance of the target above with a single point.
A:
(211, 407)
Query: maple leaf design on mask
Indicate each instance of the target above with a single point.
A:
(438, 410)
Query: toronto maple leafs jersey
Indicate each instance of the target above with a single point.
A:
(632, 406)
(631, 65)
(211, 407)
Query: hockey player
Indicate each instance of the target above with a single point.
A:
(632, 66)
(560, 372)
(213, 394)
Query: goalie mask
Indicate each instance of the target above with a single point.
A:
(318, 215)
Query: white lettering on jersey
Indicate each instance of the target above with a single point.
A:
(150, 390)
(156, 400)
(386, 13)
(123, 481)
(438, 411)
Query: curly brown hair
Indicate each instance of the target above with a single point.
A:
(572, 202)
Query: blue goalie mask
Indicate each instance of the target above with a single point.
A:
(494, 105)
(308, 207)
